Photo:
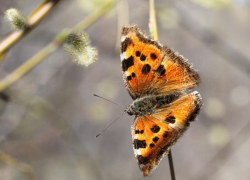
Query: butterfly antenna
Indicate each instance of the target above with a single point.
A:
(109, 125)
(109, 100)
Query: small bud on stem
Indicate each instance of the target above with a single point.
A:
(77, 46)
(17, 20)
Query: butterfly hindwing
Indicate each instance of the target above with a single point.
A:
(181, 112)
(154, 135)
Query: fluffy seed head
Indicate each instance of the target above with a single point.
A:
(17, 20)
(77, 45)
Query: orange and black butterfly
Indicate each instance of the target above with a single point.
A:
(157, 79)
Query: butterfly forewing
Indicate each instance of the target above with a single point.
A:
(140, 55)
(174, 74)
(150, 68)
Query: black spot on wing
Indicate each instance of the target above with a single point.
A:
(153, 56)
(125, 44)
(139, 144)
(143, 160)
(160, 71)
(139, 132)
(126, 63)
(129, 78)
(165, 134)
(155, 139)
(170, 119)
(155, 129)
(138, 53)
(143, 57)
(146, 69)
(151, 145)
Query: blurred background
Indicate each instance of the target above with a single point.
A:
(49, 118)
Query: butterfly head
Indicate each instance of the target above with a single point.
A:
(130, 110)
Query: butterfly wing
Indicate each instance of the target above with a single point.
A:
(146, 65)
(154, 135)
(173, 75)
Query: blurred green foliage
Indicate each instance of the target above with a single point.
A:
(212, 3)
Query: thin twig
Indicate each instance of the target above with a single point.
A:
(154, 33)
(122, 19)
(53, 46)
(26, 169)
(33, 19)
(171, 165)
(152, 20)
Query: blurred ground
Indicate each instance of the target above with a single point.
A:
(52, 118)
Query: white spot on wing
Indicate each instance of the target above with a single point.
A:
(141, 166)
(123, 38)
(174, 126)
(123, 56)
(197, 94)
(137, 151)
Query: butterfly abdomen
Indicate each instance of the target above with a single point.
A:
(162, 100)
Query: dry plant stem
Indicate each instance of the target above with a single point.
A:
(33, 19)
(152, 20)
(26, 169)
(123, 19)
(53, 46)
(171, 165)
(154, 33)
(94, 16)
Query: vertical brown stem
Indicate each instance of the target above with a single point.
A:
(171, 165)
(154, 33)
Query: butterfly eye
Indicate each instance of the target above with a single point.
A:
(129, 111)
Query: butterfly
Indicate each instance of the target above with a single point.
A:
(157, 79)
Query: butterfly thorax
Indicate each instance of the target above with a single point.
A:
(141, 106)
(146, 105)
